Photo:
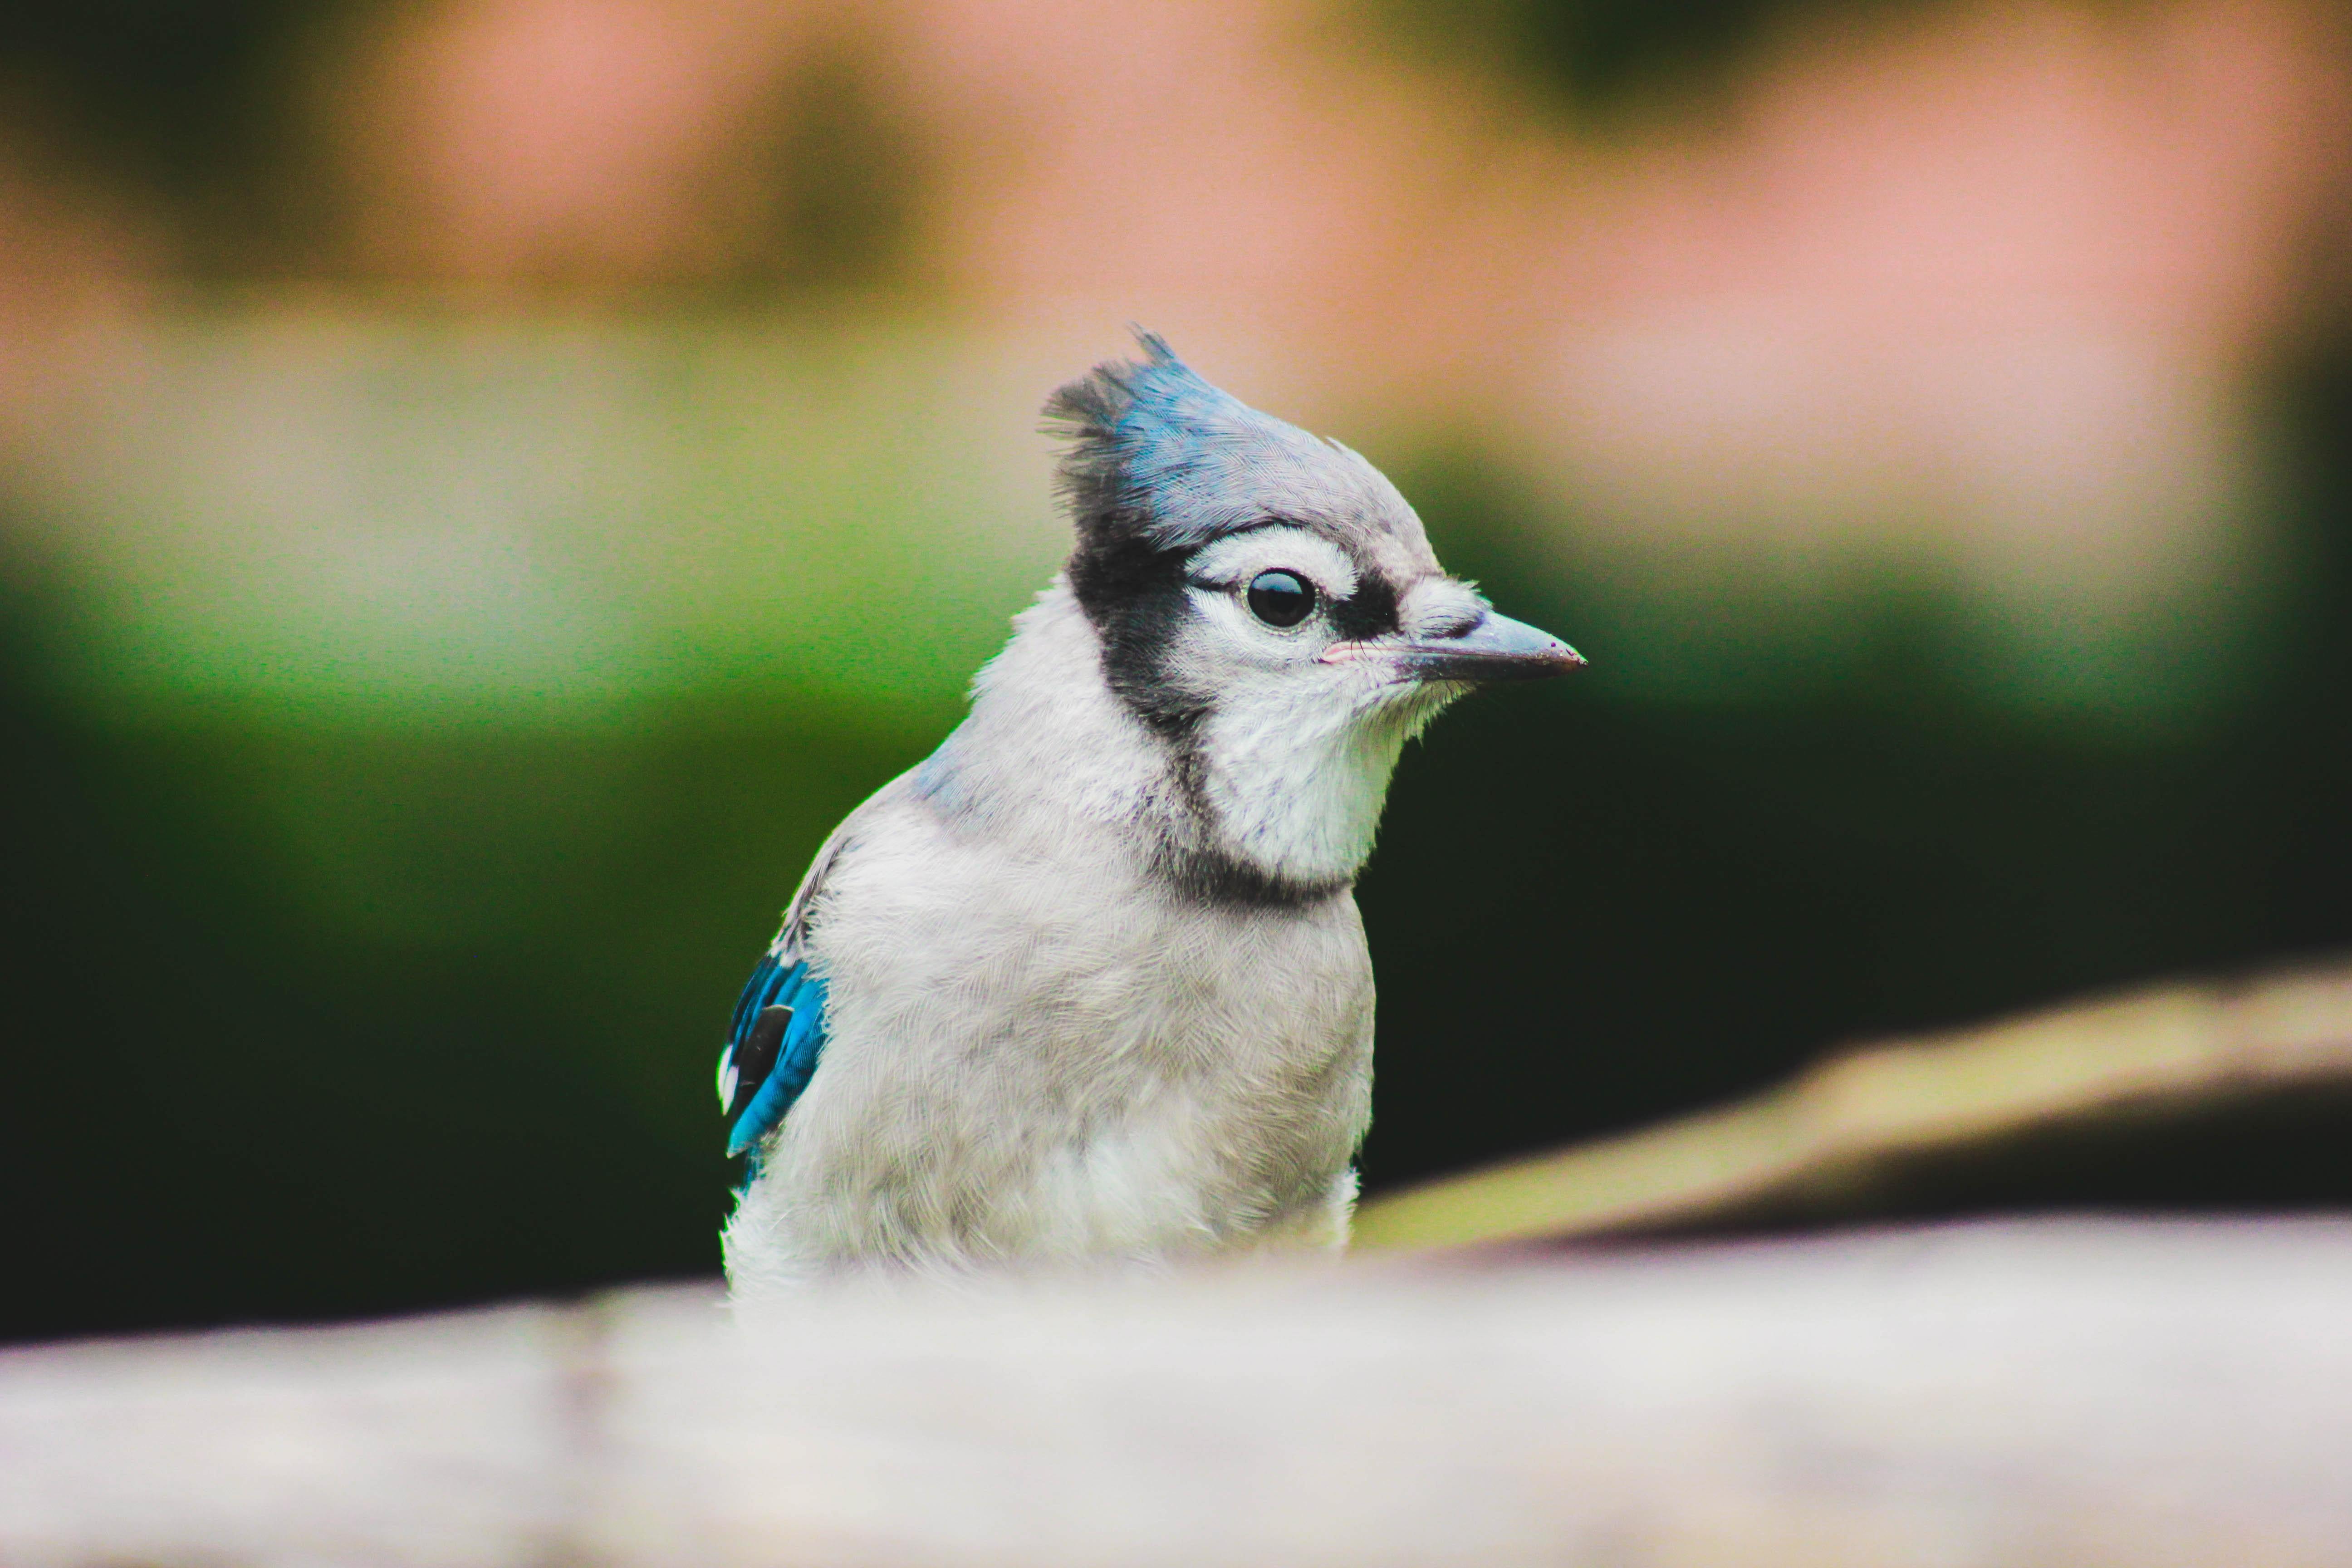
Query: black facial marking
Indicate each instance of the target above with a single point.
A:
(1211, 877)
(1136, 598)
(1131, 591)
(1370, 612)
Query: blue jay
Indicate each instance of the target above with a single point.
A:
(1090, 981)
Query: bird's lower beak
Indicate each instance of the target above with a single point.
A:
(1494, 647)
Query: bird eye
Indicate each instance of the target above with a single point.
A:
(1280, 598)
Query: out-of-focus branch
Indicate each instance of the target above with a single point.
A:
(2081, 1392)
(1862, 1119)
(2075, 1392)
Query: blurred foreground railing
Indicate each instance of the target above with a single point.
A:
(2063, 1393)
(2129, 1393)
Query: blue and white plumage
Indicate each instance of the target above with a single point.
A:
(1090, 981)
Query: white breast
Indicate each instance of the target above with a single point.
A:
(1046, 1058)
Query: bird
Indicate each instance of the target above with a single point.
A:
(1089, 983)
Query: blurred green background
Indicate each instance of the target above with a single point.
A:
(485, 485)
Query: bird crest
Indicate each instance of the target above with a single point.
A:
(1157, 457)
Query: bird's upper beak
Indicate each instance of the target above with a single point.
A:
(1492, 647)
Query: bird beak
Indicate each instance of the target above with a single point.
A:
(1492, 647)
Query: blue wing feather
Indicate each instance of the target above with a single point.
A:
(774, 982)
(772, 1053)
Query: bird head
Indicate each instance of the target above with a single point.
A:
(1268, 605)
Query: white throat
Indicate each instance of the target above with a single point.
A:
(1295, 781)
(1287, 779)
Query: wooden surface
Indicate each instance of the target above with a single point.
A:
(2018, 1394)
(1818, 1149)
